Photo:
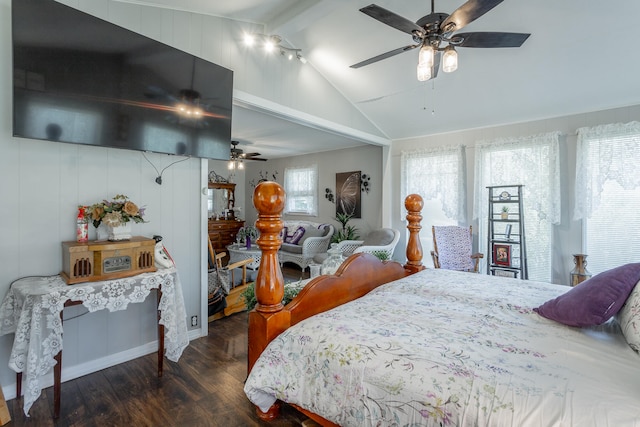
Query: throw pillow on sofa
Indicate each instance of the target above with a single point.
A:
(312, 232)
(283, 234)
(295, 237)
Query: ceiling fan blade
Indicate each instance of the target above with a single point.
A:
(387, 17)
(385, 55)
(467, 13)
(258, 158)
(491, 39)
(251, 154)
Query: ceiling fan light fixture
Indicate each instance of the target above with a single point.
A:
(424, 72)
(449, 59)
(235, 164)
(425, 56)
(430, 31)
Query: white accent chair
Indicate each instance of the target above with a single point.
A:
(380, 241)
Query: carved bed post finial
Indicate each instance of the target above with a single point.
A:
(414, 204)
(268, 199)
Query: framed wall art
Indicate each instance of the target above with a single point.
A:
(348, 194)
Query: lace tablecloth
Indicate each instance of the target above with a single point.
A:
(32, 308)
(240, 253)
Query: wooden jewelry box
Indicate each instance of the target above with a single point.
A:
(103, 260)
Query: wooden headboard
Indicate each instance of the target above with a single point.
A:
(358, 275)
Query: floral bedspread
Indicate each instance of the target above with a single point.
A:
(445, 348)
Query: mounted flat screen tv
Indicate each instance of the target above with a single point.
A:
(82, 80)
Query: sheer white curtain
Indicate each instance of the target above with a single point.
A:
(532, 161)
(605, 153)
(439, 176)
(301, 185)
(608, 193)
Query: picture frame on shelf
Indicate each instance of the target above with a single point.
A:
(504, 196)
(502, 255)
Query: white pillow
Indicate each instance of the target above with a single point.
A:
(629, 318)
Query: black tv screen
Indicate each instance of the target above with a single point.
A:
(80, 79)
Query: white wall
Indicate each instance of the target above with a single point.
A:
(367, 159)
(41, 185)
(568, 234)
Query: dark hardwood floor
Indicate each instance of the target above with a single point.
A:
(205, 388)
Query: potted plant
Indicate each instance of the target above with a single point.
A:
(348, 232)
(505, 212)
(291, 290)
(248, 234)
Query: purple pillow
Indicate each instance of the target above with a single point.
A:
(297, 235)
(595, 300)
(283, 234)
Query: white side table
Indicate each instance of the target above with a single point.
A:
(240, 253)
(32, 310)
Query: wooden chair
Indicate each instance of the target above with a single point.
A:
(234, 302)
(452, 247)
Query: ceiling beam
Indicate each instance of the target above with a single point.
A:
(261, 105)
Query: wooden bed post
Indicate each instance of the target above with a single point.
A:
(268, 199)
(357, 276)
(268, 320)
(414, 204)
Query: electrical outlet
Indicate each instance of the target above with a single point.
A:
(194, 320)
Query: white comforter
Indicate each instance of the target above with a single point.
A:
(454, 349)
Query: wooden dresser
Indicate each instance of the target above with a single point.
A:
(223, 233)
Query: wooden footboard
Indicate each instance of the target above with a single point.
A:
(358, 275)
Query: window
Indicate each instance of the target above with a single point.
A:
(608, 194)
(532, 161)
(301, 185)
(438, 175)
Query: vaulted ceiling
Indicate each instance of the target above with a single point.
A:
(579, 58)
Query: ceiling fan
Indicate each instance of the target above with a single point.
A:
(237, 154)
(435, 29)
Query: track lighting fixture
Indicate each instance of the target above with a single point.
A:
(273, 43)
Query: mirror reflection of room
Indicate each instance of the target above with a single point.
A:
(220, 201)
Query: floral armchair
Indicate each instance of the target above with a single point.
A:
(452, 247)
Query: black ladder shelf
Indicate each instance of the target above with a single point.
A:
(506, 249)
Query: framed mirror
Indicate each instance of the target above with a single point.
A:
(220, 199)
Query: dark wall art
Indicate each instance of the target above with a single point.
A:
(348, 194)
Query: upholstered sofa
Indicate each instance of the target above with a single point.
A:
(302, 240)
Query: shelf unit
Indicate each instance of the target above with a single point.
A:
(506, 248)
